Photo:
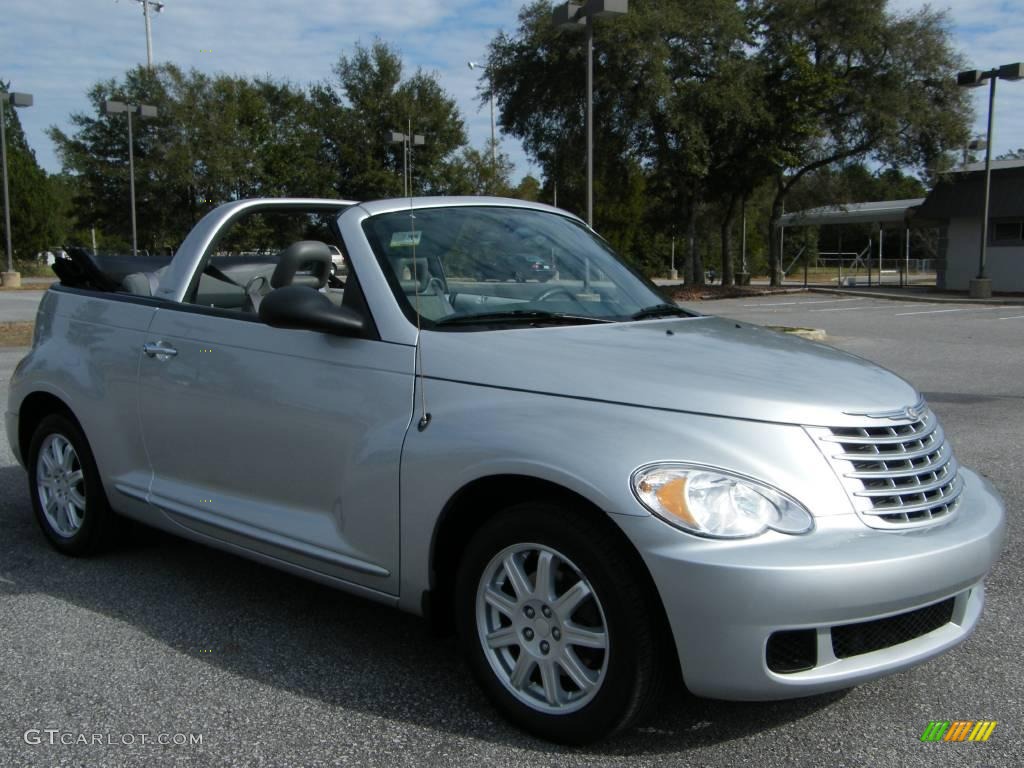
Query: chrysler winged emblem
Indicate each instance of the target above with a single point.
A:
(910, 412)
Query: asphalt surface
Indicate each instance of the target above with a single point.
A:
(16, 306)
(165, 636)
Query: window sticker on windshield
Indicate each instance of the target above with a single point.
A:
(405, 239)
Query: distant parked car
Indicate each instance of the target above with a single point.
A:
(338, 266)
(521, 267)
(51, 255)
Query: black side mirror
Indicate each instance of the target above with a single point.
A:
(299, 306)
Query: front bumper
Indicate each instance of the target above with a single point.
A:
(724, 599)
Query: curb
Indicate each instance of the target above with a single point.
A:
(919, 297)
(811, 334)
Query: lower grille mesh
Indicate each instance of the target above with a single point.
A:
(865, 637)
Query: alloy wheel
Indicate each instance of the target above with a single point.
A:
(60, 483)
(542, 628)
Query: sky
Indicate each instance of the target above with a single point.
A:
(57, 50)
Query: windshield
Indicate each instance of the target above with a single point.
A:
(474, 266)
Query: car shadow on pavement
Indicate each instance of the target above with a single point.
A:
(295, 635)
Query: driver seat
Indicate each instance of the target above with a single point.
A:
(426, 290)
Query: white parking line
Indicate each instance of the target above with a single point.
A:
(842, 309)
(1012, 317)
(935, 311)
(833, 301)
(780, 304)
(938, 311)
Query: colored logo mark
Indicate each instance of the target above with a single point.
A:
(958, 730)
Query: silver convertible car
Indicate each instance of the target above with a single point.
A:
(598, 491)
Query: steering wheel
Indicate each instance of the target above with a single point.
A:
(555, 291)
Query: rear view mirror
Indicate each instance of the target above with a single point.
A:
(299, 306)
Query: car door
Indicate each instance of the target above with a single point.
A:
(282, 442)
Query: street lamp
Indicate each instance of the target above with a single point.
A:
(974, 145)
(981, 287)
(146, 6)
(144, 111)
(494, 142)
(408, 141)
(10, 277)
(572, 15)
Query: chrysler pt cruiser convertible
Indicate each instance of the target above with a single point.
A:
(597, 490)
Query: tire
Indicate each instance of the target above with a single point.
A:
(620, 677)
(67, 495)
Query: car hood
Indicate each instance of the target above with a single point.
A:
(702, 365)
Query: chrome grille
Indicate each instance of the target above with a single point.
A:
(898, 475)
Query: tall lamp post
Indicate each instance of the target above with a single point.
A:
(572, 15)
(494, 139)
(10, 277)
(144, 111)
(408, 141)
(981, 286)
(146, 6)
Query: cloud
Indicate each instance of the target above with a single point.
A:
(58, 53)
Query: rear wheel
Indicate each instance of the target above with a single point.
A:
(557, 625)
(67, 496)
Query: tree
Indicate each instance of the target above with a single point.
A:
(473, 172)
(849, 81)
(527, 189)
(669, 112)
(371, 98)
(1013, 154)
(33, 226)
(215, 139)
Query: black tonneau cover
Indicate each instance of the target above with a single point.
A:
(82, 269)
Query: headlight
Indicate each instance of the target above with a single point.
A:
(711, 502)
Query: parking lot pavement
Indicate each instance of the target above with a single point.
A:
(165, 636)
(16, 306)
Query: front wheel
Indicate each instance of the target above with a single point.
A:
(67, 495)
(557, 625)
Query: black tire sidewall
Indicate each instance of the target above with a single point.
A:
(95, 523)
(624, 683)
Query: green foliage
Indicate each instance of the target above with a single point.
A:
(33, 227)
(222, 138)
(476, 172)
(713, 102)
(369, 99)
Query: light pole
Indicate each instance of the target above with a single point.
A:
(494, 139)
(973, 145)
(981, 286)
(10, 277)
(572, 15)
(142, 110)
(157, 7)
(408, 141)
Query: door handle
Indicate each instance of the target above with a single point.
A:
(159, 350)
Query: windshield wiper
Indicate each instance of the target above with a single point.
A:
(660, 310)
(518, 316)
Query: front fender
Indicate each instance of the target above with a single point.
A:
(585, 446)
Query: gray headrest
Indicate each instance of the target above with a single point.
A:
(143, 283)
(406, 268)
(311, 255)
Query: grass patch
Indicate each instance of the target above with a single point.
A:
(698, 292)
(16, 334)
(28, 287)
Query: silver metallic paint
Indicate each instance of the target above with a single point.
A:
(581, 407)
